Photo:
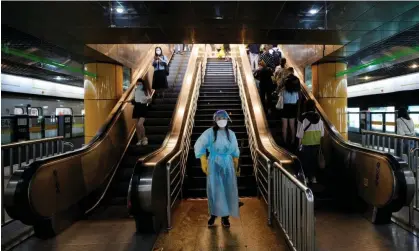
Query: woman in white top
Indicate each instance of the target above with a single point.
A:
(140, 101)
(405, 127)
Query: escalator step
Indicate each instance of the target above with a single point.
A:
(157, 121)
(141, 150)
(219, 101)
(151, 130)
(159, 114)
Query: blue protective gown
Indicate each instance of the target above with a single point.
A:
(222, 193)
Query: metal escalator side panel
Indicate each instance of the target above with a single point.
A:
(50, 186)
(379, 178)
(147, 193)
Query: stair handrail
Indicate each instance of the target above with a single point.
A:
(148, 189)
(179, 160)
(300, 230)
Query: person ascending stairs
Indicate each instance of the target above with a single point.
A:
(220, 168)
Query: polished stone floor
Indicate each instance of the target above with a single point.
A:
(94, 235)
(249, 232)
(337, 231)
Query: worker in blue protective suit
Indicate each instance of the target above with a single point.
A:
(221, 168)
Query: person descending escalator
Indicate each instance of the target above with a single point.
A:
(310, 131)
(161, 70)
(142, 96)
(221, 168)
(292, 87)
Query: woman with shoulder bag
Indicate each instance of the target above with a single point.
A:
(142, 97)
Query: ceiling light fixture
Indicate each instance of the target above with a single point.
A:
(119, 9)
(366, 77)
(58, 78)
(414, 66)
(313, 11)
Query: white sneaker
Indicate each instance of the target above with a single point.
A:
(139, 143)
(314, 180)
(144, 141)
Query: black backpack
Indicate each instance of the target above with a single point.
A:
(277, 57)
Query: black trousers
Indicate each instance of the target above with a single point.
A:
(309, 156)
(265, 93)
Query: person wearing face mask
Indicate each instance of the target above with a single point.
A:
(221, 168)
(142, 96)
(160, 70)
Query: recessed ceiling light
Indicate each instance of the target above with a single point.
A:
(313, 11)
(58, 78)
(366, 77)
(119, 9)
(414, 66)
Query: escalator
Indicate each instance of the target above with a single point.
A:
(92, 182)
(345, 204)
(219, 91)
(188, 229)
(157, 125)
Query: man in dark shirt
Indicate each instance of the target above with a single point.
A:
(254, 56)
(264, 75)
(267, 57)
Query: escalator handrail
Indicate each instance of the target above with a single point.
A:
(276, 153)
(154, 158)
(146, 157)
(338, 139)
(142, 200)
(331, 128)
(32, 168)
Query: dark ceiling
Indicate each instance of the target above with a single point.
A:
(291, 22)
(366, 29)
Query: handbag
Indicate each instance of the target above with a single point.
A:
(280, 102)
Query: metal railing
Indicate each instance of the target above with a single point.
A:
(293, 202)
(293, 208)
(387, 142)
(14, 155)
(375, 121)
(413, 164)
(176, 166)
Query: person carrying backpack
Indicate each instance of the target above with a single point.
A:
(310, 131)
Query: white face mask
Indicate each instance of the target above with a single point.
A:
(158, 52)
(222, 123)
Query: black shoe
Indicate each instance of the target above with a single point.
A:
(211, 221)
(225, 221)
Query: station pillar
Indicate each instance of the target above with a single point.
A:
(331, 93)
(101, 93)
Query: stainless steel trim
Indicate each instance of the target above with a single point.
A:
(30, 142)
(174, 150)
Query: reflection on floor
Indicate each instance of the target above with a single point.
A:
(249, 232)
(94, 235)
(337, 231)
